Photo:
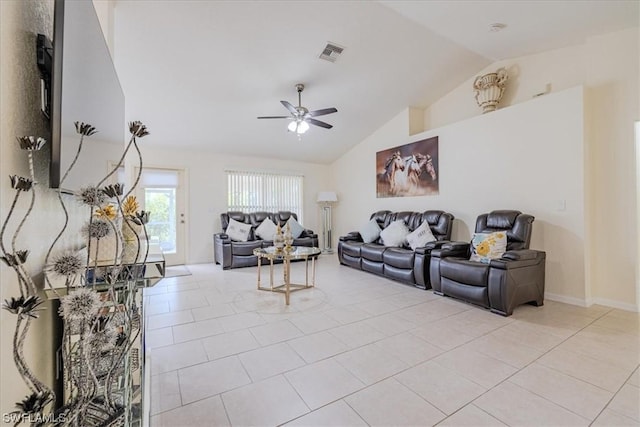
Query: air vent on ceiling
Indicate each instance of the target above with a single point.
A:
(331, 52)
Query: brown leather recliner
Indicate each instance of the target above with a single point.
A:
(502, 284)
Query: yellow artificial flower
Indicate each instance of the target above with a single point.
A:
(108, 212)
(130, 206)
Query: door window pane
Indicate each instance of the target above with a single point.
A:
(161, 202)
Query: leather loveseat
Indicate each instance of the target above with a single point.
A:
(402, 264)
(500, 284)
(233, 254)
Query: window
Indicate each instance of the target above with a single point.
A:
(259, 191)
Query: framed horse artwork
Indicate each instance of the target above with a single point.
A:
(408, 170)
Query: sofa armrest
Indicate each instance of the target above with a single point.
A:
(518, 259)
(222, 238)
(307, 233)
(452, 249)
(352, 236)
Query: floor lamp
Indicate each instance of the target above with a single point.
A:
(325, 199)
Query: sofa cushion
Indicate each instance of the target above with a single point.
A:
(372, 251)
(395, 234)
(351, 248)
(296, 228)
(245, 248)
(488, 246)
(370, 231)
(465, 271)
(420, 236)
(266, 230)
(399, 257)
(238, 231)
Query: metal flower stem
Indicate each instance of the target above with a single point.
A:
(120, 163)
(28, 281)
(66, 216)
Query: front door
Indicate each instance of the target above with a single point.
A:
(162, 192)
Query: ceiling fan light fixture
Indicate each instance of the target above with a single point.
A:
(298, 126)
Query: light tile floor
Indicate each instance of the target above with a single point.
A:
(363, 350)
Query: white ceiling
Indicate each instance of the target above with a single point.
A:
(198, 73)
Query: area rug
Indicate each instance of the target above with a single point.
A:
(177, 271)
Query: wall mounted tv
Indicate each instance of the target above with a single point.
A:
(85, 88)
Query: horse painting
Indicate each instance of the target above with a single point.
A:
(409, 170)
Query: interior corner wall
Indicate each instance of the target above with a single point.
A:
(207, 189)
(608, 67)
(20, 22)
(527, 157)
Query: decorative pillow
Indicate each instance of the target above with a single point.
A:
(296, 228)
(370, 231)
(420, 236)
(266, 230)
(238, 231)
(488, 246)
(395, 233)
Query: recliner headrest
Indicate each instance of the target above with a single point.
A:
(502, 219)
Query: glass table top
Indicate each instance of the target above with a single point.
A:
(296, 252)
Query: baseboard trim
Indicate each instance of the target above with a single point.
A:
(615, 304)
(567, 300)
(589, 302)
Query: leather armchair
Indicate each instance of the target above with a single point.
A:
(516, 278)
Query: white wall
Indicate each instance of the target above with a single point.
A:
(527, 157)
(207, 189)
(20, 22)
(608, 67)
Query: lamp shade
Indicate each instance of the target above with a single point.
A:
(327, 197)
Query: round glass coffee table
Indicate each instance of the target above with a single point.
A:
(286, 256)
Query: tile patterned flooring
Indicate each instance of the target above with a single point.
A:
(362, 350)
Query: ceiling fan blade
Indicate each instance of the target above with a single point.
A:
(289, 107)
(275, 117)
(319, 123)
(322, 112)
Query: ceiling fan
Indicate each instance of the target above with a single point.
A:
(300, 117)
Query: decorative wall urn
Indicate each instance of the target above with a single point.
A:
(489, 89)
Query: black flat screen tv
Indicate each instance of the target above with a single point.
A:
(85, 88)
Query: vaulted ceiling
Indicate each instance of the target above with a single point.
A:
(198, 73)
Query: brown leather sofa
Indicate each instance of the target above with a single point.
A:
(398, 263)
(232, 254)
(502, 284)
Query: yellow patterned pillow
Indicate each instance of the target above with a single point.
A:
(488, 246)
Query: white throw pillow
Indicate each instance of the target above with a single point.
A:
(296, 228)
(238, 231)
(420, 236)
(266, 230)
(395, 233)
(488, 246)
(370, 231)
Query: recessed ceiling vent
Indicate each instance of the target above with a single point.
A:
(331, 52)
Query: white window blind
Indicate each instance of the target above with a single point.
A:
(260, 191)
(159, 178)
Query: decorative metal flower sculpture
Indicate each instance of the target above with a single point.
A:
(24, 306)
(81, 304)
(84, 129)
(20, 183)
(138, 129)
(113, 190)
(96, 229)
(15, 259)
(92, 196)
(66, 265)
(31, 143)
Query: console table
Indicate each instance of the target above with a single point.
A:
(286, 256)
(131, 406)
